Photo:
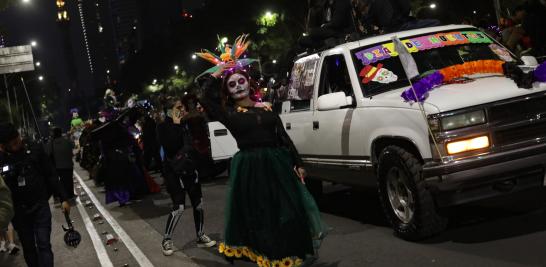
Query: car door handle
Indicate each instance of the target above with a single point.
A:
(288, 126)
(315, 125)
(221, 132)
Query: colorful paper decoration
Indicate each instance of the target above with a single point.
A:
(413, 45)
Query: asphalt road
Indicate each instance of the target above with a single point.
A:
(508, 231)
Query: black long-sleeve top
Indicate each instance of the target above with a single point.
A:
(253, 128)
(171, 137)
(40, 177)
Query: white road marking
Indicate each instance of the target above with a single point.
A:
(95, 238)
(131, 245)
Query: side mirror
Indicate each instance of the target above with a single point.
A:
(333, 101)
(529, 61)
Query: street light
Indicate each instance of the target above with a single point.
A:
(432, 6)
(33, 43)
(194, 56)
(26, 1)
(41, 78)
(154, 81)
(107, 71)
(38, 63)
(274, 61)
(175, 67)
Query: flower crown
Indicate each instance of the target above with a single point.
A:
(228, 53)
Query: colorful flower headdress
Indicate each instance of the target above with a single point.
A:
(228, 53)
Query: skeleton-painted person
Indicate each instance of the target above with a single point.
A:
(271, 218)
(181, 174)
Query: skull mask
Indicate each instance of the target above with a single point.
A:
(238, 86)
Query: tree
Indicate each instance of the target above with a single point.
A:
(6, 3)
(176, 84)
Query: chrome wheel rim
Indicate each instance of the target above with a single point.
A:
(400, 196)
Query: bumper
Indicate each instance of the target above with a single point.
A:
(487, 176)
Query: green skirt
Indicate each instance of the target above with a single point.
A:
(271, 218)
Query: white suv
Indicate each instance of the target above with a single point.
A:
(346, 116)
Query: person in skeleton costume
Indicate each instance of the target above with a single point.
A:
(271, 218)
(181, 174)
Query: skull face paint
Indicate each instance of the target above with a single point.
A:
(238, 86)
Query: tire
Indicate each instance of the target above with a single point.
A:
(400, 186)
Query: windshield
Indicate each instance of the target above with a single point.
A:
(380, 70)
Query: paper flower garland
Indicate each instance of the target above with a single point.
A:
(452, 73)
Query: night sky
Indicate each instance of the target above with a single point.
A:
(36, 21)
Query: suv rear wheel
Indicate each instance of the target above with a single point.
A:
(407, 203)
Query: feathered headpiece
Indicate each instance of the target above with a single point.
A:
(228, 53)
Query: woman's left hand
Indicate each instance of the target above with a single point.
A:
(301, 173)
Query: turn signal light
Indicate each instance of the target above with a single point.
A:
(468, 145)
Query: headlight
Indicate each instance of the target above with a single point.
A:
(467, 145)
(463, 120)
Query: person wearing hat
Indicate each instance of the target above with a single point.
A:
(31, 179)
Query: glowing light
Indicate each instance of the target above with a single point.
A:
(274, 61)
(224, 40)
(38, 63)
(41, 78)
(154, 81)
(194, 56)
(468, 145)
(33, 43)
(432, 6)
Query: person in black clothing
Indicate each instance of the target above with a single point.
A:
(60, 151)
(269, 212)
(181, 175)
(532, 16)
(151, 145)
(386, 16)
(328, 19)
(118, 161)
(31, 178)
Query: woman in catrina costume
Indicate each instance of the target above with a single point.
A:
(271, 218)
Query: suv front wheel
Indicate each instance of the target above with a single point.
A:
(407, 203)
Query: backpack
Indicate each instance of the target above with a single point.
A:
(183, 162)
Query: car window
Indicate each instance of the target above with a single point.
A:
(380, 70)
(335, 76)
(300, 88)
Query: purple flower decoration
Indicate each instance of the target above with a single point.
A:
(422, 87)
(540, 73)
